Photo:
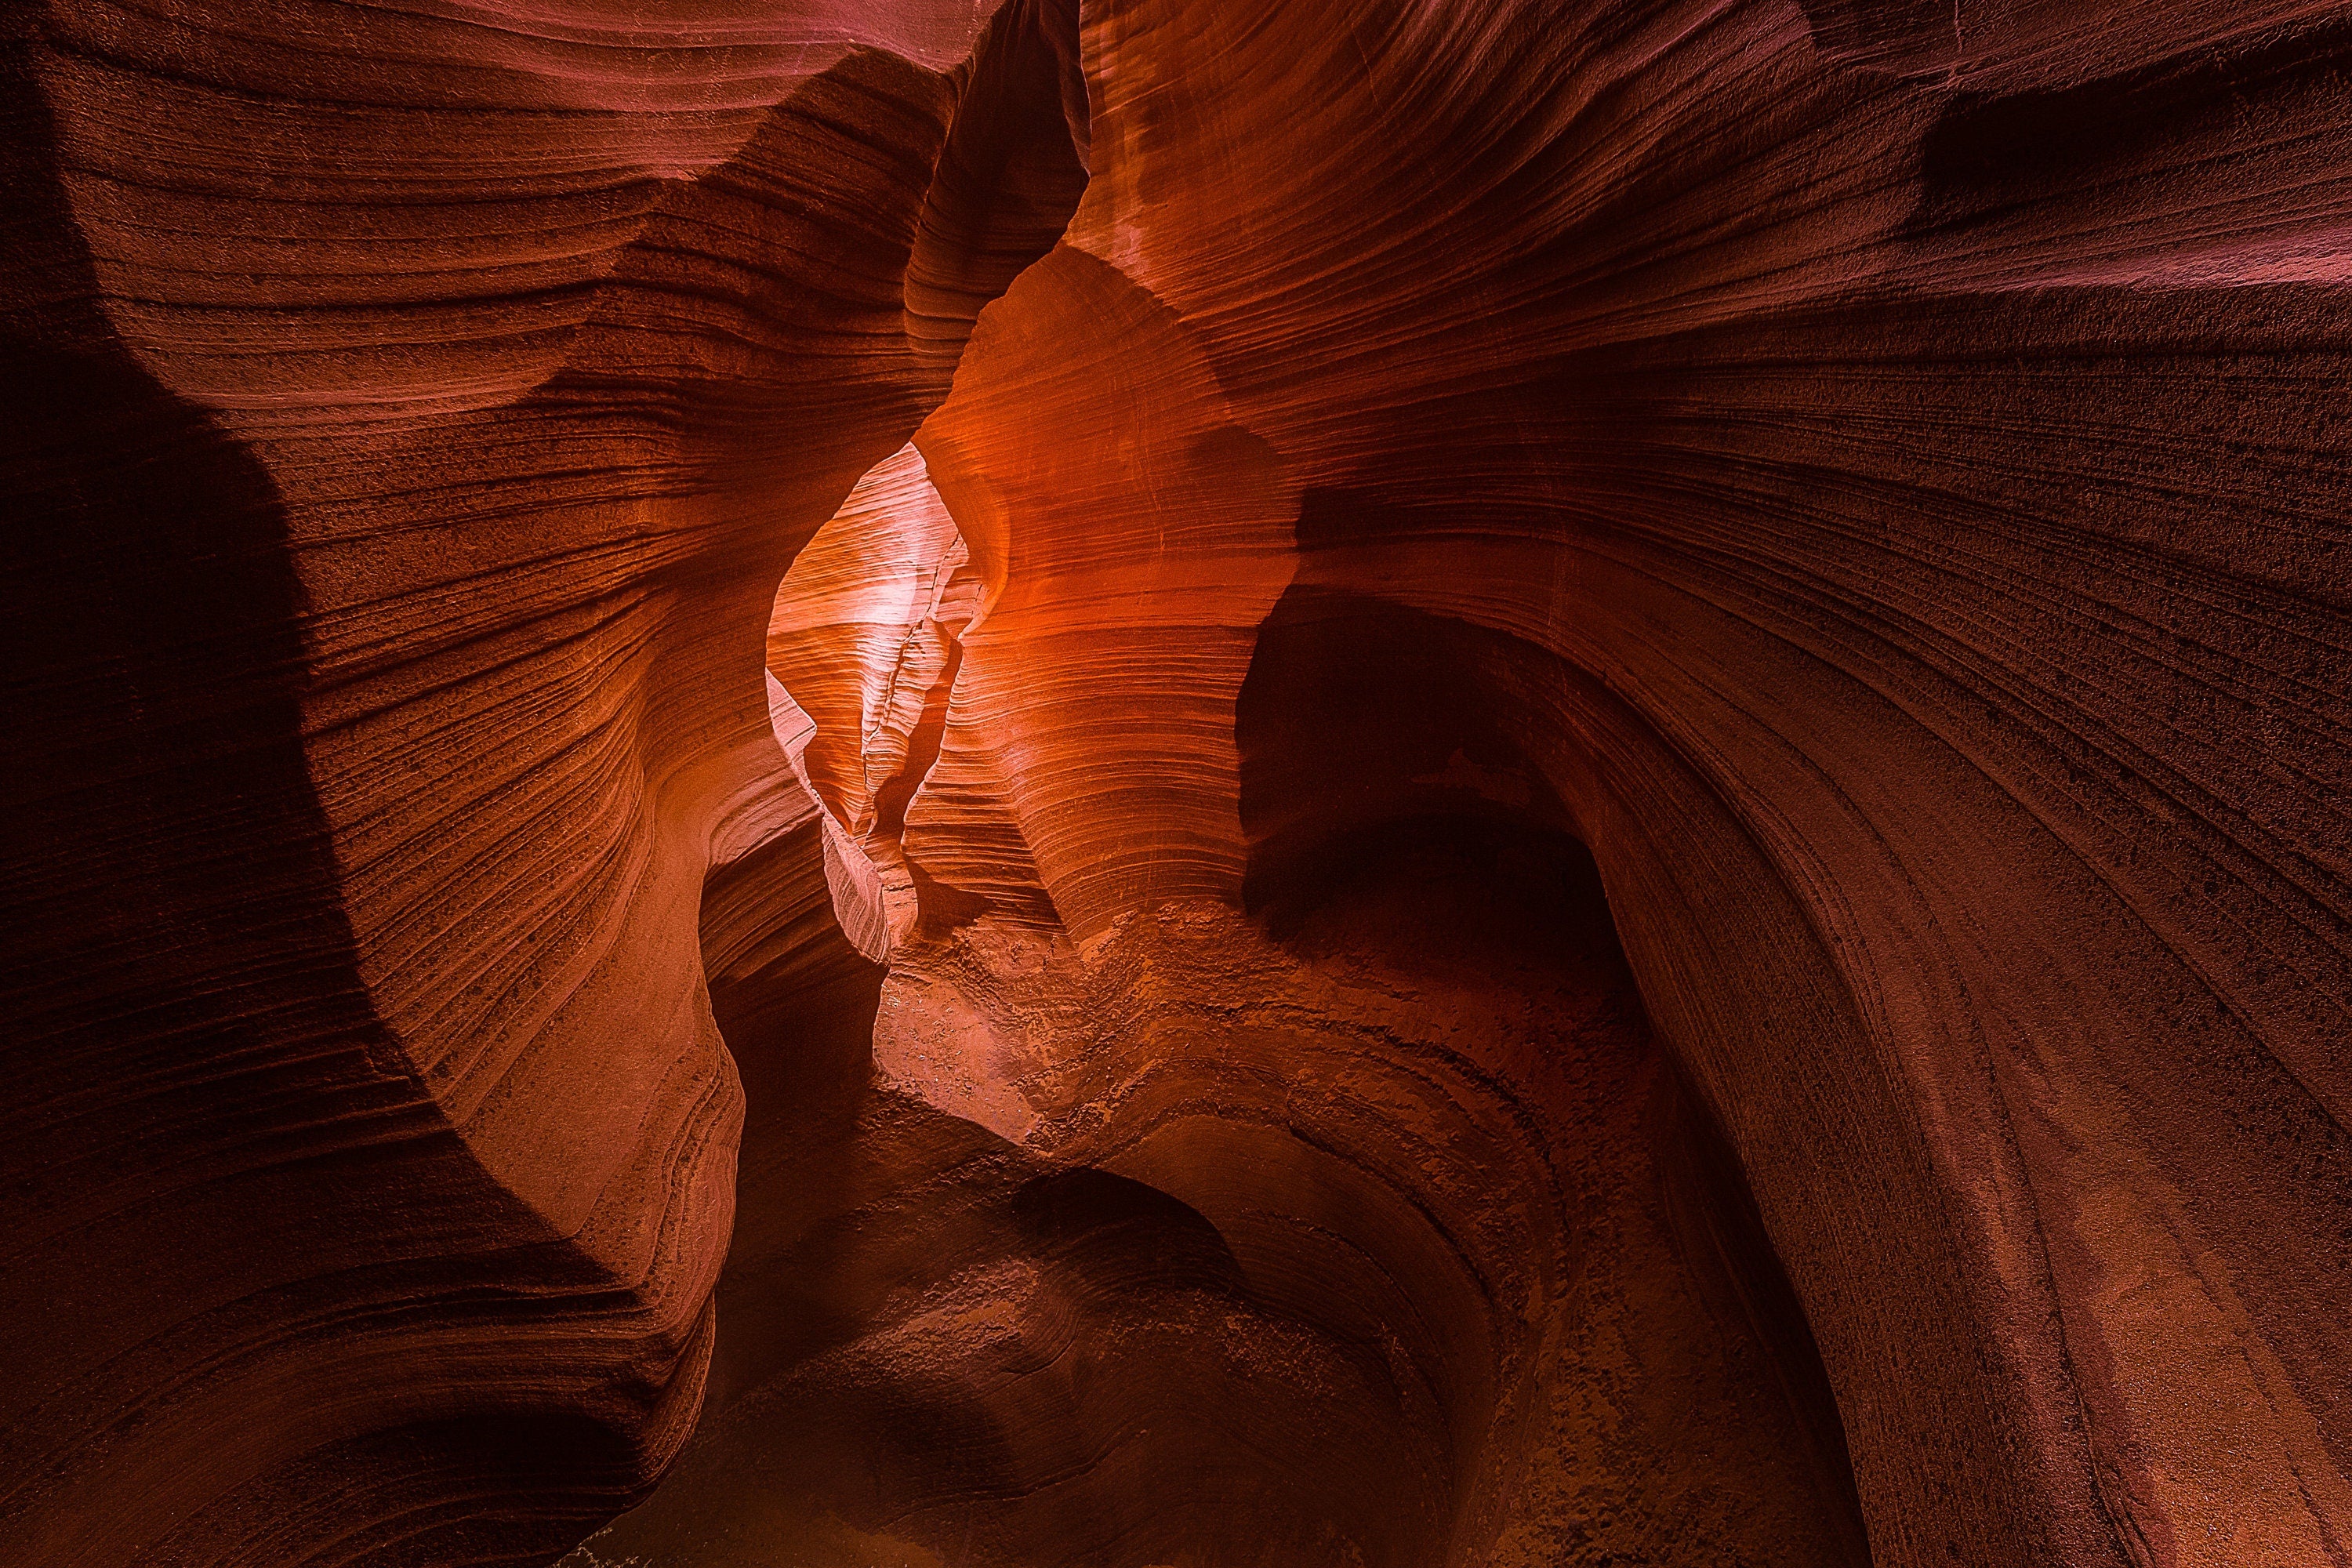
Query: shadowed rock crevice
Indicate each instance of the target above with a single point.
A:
(1398, 1243)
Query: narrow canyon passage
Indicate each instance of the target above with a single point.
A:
(1365, 1224)
(1374, 1230)
(1176, 784)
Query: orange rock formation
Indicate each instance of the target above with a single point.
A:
(1544, 782)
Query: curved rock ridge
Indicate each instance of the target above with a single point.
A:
(309, 207)
(1123, 567)
(413, 411)
(1865, 471)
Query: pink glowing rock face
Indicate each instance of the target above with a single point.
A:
(865, 626)
(1567, 722)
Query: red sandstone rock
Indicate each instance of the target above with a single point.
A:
(1869, 472)
(1450, 1278)
(413, 413)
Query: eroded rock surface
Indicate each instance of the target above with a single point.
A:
(1378, 1233)
(1571, 789)
(411, 414)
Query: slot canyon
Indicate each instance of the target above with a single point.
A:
(1176, 784)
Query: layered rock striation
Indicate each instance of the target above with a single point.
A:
(1562, 783)
(411, 414)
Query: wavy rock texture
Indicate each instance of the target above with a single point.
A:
(1865, 473)
(411, 415)
(1391, 505)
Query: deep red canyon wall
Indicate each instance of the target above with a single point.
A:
(1871, 476)
(412, 415)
